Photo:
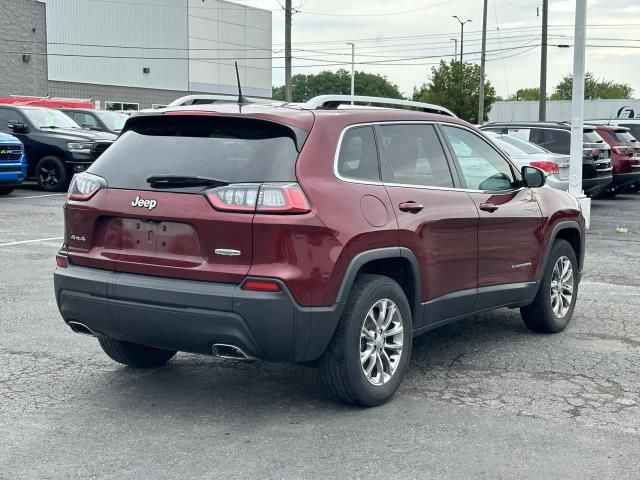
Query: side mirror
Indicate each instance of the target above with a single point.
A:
(533, 177)
(18, 127)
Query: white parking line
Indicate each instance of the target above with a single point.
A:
(30, 241)
(36, 196)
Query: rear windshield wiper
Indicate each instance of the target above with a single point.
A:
(167, 181)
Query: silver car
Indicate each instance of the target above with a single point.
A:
(526, 153)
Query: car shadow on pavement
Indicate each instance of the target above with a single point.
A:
(195, 386)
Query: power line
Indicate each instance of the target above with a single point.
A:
(381, 14)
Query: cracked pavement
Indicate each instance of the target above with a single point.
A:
(484, 398)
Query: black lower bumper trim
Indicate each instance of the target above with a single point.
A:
(191, 316)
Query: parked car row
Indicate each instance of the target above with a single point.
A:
(611, 154)
(54, 144)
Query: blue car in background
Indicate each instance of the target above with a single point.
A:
(13, 163)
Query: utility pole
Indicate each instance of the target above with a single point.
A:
(461, 35)
(577, 111)
(542, 106)
(353, 71)
(455, 48)
(288, 90)
(482, 64)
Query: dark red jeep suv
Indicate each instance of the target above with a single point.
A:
(309, 234)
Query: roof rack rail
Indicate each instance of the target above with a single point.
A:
(333, 101)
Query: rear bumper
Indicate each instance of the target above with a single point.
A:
(591, 185)
(626, 179)
(191, 316)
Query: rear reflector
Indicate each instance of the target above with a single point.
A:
(62, 261)
(260, 198)
(549, 167)
(261, 286)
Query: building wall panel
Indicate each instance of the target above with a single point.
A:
(111, 43)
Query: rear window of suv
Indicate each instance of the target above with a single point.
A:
(231, 149)
(623, 136)
(591, 136)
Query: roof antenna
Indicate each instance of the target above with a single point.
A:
(241, 100)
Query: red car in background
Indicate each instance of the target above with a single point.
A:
(625, 157)
(47, 102)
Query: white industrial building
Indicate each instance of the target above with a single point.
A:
(560, 110)
(144, 53)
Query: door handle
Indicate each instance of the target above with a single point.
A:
(411, 207)
(488, 207)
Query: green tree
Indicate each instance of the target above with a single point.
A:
(337, 83)
(593, 88)
(532, 93)
(457, 87)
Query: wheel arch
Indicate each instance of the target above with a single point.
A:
(397, 263)
(570, 231)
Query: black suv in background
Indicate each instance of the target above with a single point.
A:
(56, 147)
(597, 171)
(100, 120)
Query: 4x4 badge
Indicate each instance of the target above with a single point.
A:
(140, 202)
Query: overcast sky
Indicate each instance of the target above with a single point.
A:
(513, 38)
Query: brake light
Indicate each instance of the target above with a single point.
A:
(550, 168)
(261, 286)
(260, 198)
(85, 185)
(623, 150)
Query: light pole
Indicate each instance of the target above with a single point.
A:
(353, 72)
(461, 34)
(455, 48)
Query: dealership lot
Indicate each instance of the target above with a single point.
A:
(484, 398)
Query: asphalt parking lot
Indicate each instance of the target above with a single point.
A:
(484, 398)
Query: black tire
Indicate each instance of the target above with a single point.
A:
(135, 355)
(51, 174)
(340, 365)
(540, 315)
(6, 190)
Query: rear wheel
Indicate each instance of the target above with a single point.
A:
(51, 174)
(135, 355)
(369, 354)
(6, 190)
(552, 309)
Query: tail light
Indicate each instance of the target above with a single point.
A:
(550, 168)
(590, 152)
(259, 198)
(623, 150)
(62, 261)
(84, 186)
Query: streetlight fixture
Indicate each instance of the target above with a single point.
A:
(461, 34)
(353, 72)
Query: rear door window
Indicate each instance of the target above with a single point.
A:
(358, 157)
(416, 156)
(235, 150)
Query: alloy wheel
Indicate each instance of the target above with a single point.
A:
(561, 287)
(381, 339)
(48, 174)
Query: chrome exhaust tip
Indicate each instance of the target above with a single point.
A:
(80, 328)
(230, 352)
